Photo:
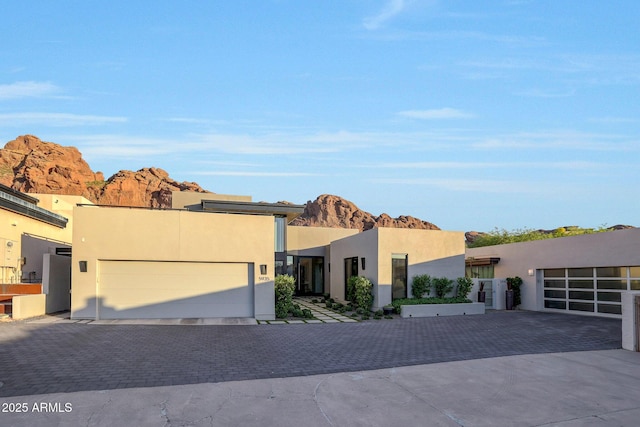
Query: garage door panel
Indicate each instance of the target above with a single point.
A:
(150, 289)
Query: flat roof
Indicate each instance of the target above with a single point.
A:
(288, 210)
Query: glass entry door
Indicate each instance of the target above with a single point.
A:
(309, 275)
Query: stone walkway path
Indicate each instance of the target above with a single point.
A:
(321, 314)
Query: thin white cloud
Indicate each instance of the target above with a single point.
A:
(569, 165)
(29, 89)
(252, 173)
(57, 119)
(437, 114)
(391, 9)
(539, 93)
(121, 146)
(578, 141)
(483, 186)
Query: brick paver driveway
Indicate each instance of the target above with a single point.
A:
(63, 357)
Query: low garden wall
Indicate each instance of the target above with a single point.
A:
(433, 310)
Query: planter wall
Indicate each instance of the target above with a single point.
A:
(433, 310)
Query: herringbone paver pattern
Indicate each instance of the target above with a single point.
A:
(64, 356)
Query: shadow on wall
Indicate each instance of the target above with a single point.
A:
(140, 304)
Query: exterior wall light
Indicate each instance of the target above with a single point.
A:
(531, 272)
(83, 266)
(263, 269)
(362, 262)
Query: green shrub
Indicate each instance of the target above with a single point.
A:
(442, 286)
(296, 312)
(307, 314)
(351, 289)
(515, 283)
(464, 286)
(315, 301)
(420, 285)
(379, 313)
(363, 293)
(364, 317)
(388, 316)
(328, 304)
(284, 287)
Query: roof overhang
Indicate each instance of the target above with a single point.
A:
(477, 262)
(23, 205)
(290, 211)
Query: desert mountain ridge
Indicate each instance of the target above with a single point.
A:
(30, 165)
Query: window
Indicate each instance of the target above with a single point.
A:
(280, 227)
(398, 276)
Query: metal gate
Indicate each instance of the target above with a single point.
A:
(637, 319)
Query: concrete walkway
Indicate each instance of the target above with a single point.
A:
(321, 314)
(595, 388)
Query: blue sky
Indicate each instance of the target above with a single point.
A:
(471, 115)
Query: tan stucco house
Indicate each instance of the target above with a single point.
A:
(584, 274)
(217, 256)
(35, 246)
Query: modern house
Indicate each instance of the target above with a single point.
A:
(584, 274)
(217, 256)
(35, 246)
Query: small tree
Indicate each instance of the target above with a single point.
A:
(464, 287)
(420, 285)
(285, 285)
(442, 286)
(351, 289)
(515, 283)
(362, 292)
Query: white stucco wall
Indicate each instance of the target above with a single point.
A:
(433, 252)
(608, 249)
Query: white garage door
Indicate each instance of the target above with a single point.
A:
(155, 290)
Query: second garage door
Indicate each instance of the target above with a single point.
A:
(156, 290)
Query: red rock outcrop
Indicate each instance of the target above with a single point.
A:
(30, 165)
(333, 211)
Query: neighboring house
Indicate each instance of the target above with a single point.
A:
(578, 274)
(217, 255)
(35, 246)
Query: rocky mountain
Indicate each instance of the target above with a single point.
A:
(31, 165)
(333, 211)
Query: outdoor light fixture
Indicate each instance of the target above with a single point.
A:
(83, 266)
(530, 272)
(362, 262)
(263, 269)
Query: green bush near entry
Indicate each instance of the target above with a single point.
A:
(464, 286)
(442, 286)
(284, 288)
(420, 285)
(363, 293)
(351, 289)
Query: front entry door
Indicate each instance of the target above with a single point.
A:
(310, 275)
